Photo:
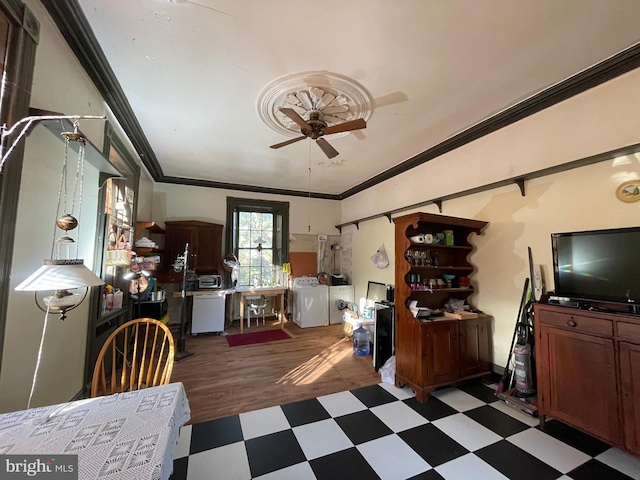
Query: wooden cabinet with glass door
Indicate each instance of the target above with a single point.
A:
(436, 350)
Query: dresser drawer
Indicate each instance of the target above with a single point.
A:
(578, 323)
(629, 331)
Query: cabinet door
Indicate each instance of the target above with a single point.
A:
(473, 346)
(207, 249)
(176, 238)
(630, 380)
(440, 352)
(581, 381)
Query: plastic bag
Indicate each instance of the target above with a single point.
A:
(380, 259)
(388, 370)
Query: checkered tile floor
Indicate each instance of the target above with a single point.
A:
(383, 432)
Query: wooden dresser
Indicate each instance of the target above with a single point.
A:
(588, 368)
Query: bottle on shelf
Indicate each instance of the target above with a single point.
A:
(448, 237)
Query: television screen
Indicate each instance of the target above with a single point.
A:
(376, 292)
(601, 265)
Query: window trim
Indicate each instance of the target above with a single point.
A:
(19, 66)
(279, 209)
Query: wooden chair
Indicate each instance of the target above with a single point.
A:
(138, 354)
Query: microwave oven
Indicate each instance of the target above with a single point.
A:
(209, 281)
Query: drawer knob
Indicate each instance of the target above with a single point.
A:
(571, 323)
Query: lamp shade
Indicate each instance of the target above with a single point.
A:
(60, 275)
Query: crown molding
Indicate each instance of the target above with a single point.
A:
(615, 66)
(248, 188)
(75, 29)
(77, 32)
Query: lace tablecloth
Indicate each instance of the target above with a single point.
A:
(124, 436)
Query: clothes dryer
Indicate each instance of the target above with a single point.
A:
(310, 302)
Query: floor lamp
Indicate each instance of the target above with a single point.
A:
(182, 263)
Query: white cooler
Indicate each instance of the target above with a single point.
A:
(339, 292)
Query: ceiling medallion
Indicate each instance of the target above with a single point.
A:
(335, 97)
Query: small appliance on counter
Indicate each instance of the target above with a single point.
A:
(206, 282)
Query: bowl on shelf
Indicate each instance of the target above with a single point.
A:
(448, 278)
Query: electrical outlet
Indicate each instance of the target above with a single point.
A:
(322, 238)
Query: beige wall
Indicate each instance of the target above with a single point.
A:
(597, 121)
(60, 85)
(179, 202)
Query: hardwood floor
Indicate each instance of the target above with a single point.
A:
(221, 380)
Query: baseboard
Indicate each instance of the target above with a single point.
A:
(496, 372)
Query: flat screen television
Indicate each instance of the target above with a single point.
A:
(598, 266)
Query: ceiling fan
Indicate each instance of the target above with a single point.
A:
(315, 128)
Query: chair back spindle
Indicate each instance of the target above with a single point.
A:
(142, 355)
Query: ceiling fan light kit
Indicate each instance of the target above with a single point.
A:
(314, 104)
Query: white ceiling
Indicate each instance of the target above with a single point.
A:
(192, 72)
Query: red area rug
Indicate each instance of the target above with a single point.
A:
(257, 337)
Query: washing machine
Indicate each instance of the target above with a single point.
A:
(310, 302)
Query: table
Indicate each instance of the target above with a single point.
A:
(122, 436)
(267, 292)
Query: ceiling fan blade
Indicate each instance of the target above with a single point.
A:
(356, 124)
(288, 142)
(328, 150)
(293, 115)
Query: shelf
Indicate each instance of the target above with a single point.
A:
(437, 245)
(438, 290)
(442, 267)
(93, 154)
(151, 227)
(144, 250)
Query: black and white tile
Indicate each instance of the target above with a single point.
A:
(382, 432)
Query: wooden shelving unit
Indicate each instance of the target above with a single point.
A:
(442, 350)
(151, 227)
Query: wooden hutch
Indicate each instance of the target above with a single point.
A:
(443, 350)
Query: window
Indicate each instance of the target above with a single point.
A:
(258, 234)
(118, 214)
